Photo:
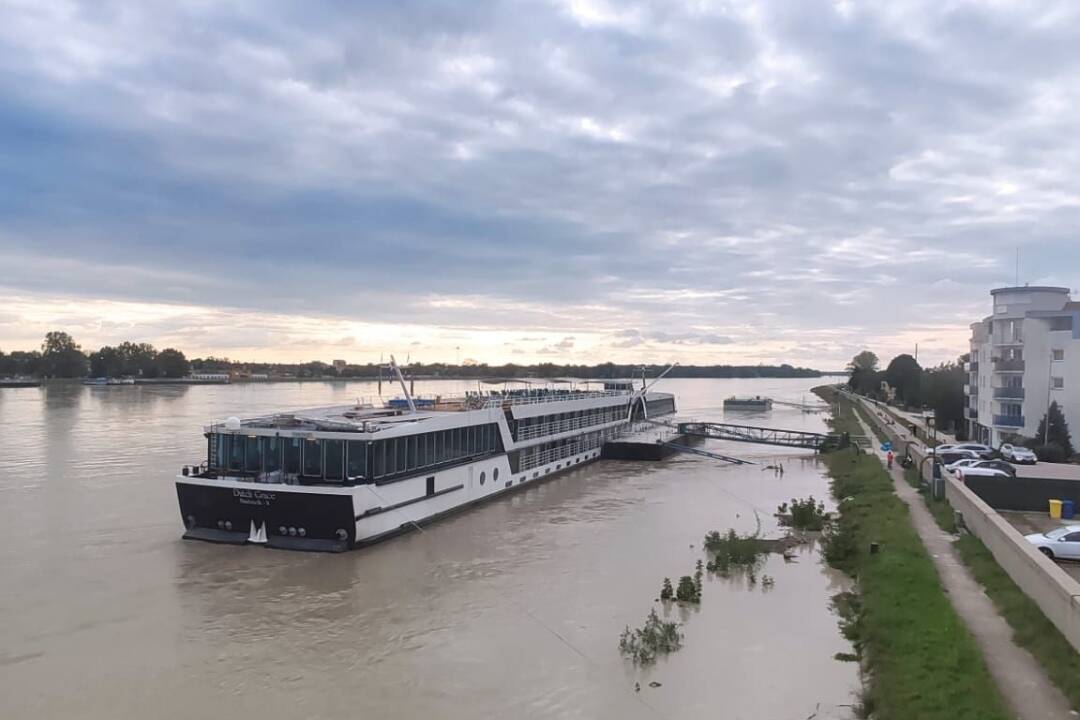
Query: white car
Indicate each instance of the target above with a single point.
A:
(1062, 542)
(966, 472)
(984, 451)
(1018, 454)
(953, 467)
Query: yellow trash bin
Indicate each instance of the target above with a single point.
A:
(1055, 509)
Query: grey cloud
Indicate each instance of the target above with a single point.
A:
(789, 167)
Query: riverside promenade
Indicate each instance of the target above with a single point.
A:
(1019, 677)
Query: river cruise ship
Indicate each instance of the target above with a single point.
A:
(335, 478)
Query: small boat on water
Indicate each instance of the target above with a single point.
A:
(18, 382)
(109, 381)
(748, 403)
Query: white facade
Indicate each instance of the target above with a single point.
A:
(1023, 356)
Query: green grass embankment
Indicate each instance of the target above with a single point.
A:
(921, 660)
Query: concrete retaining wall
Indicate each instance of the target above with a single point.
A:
(1052, 589)
(1057, 594)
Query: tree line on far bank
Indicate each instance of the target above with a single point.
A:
(941, 389)
(61, 357)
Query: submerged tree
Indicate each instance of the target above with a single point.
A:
(666, 591)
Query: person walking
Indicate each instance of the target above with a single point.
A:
(889, 458)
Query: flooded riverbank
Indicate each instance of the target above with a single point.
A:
(511, 609)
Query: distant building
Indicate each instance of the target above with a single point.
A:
(339, 366)
(1023, 356)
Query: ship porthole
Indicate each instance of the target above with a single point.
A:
(190, 520)
(495, 475)
(341, 534)
(483, 476)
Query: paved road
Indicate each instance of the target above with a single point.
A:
(1022, 682)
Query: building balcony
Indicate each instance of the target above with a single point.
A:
(1008, 393)
(1012, 421)
(1003, 342)
(1001, 365)
(972, 413)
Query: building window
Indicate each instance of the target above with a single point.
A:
(1057, 354)
(1061, 323)
(1057, 383)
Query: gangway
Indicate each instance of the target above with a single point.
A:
(706, 453)
(762, 435)
(804, 406)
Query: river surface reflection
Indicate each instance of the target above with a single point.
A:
(512, 609)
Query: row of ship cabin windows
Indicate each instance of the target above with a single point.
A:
(335, 460)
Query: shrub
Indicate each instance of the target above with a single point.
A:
(1050, 453)
(687, 590)
(655, 637)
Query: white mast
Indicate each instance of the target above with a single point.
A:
(404, 388)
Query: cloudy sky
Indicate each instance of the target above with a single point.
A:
(570, 180)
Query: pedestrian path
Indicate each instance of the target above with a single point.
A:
(1019, 677)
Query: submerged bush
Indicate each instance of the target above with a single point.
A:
(687, 591)
(805, 514)
(733, 549)
(656, 637)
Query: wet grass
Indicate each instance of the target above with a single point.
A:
(921, 660)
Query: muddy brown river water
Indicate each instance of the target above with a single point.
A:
(509, 610)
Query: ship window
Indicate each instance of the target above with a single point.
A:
(402, 454)
(312, 458)
(335, 459)
(391, 457)
(252, 456)
(495, 475)
(357, 467)
(236, 452)
(483, 477)
(414, 454)
(379, 460)
(221, 456)
(428, 444)
(271, 454)
(292, 455)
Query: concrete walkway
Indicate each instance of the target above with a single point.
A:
(1026, 689)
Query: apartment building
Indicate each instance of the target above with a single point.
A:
(1023, 356)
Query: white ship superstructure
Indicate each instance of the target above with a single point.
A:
(338, 477)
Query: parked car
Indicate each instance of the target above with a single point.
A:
(1018, 454)
(945, 447)
(953, 467)
(994, 465)
(950, 456)
(1062, 542)
(965, 472)
(985, 451)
